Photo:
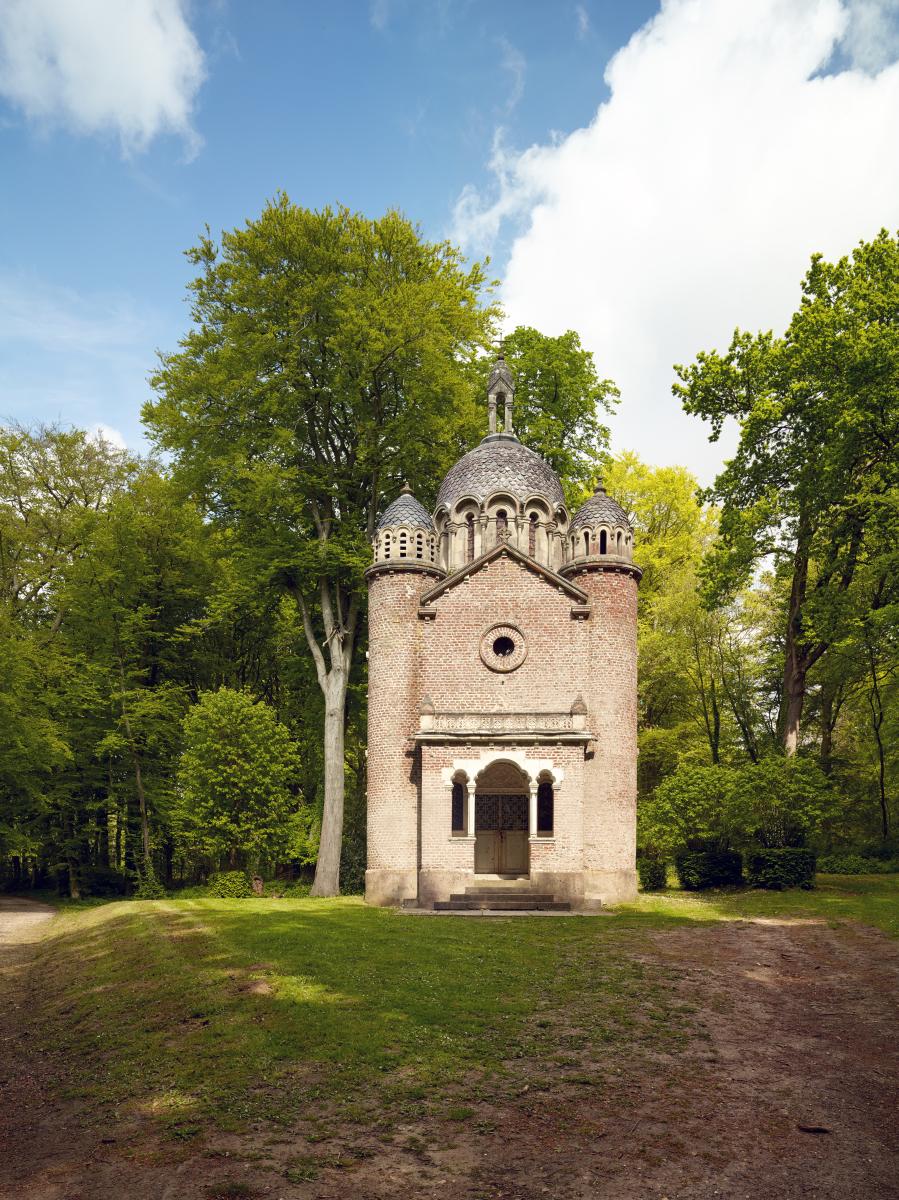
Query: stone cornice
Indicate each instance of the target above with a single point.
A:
(608, 562)
(391, 565)
(504, 548)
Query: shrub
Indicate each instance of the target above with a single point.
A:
(780, 802)
(652, 872)
(230, 885)
(692, 803)
(850, 863)
(149, 887)
(297, 890)
(700, 869)
(237, 780)
(786, 867)
(192, 891)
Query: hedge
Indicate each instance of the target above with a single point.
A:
(653, 874)
(782, 868)
(700, 869)
(231, 885)
(855, 864)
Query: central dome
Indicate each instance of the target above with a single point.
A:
(500, 464)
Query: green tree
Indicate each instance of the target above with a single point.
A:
(237, 799)
(327, 362)
(813, 483)
(559, 397)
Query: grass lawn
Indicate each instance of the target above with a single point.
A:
(218, 1012)
(872, 899)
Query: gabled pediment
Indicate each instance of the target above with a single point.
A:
(507, 550)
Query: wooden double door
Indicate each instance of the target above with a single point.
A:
(501, 835)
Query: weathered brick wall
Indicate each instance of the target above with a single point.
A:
(505, 590)
(394, 695)
(595, 819)
(610, 691)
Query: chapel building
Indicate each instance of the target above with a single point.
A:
(502, 730)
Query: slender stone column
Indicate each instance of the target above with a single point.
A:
(532, 811)
(471, 808)
(480, 536)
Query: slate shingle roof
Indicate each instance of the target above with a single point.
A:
(600, 509)
(405, 510)
(500, 463)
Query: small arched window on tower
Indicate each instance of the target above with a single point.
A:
(545, 808)
(502, 524)
(387, 545)
(586, 541)
(603, 541)
(458, 810)
(532, 536)
(402, 545)
(419, 545)
(470, 544)
(618, 542)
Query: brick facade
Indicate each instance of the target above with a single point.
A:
(431, 653)
(502, 670)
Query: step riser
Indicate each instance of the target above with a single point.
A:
(499, 906)
(536, 897)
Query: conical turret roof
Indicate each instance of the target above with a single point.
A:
(600, 509)
(405, 510)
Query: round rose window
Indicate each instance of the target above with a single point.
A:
(503, 648)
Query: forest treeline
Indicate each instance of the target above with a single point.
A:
(183, 635)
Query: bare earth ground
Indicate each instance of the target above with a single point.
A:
(788, 1087)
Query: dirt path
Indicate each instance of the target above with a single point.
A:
(787, 1087)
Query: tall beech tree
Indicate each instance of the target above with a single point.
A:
(328, 362)
(815, 478)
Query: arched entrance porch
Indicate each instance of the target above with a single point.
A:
(502, 792)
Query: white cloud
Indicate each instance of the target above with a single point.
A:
(583, 20)
(127, 67)
(725, 156)
(379, 14)
(106, 433)
(76, 357)
(52, 319)
(513, 63)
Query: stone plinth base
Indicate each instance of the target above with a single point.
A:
(389, 887)
(610, 887)
(584, 890)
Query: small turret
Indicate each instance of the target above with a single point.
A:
(405, 533)
(600, 529)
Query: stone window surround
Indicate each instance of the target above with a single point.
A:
(531, 768)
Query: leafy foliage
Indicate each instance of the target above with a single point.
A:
(230, 885)
(652, 873)
(698, 870)
(783, 867)
(237, 798)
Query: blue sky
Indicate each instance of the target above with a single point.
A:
(631, 201)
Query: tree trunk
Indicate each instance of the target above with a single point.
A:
(716, 724)
(138, 777)
(874, 700)
(327, 867)
(793, 701)
(798, 656)
(339, 614)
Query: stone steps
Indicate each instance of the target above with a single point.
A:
(497, 903)
(502, 894)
